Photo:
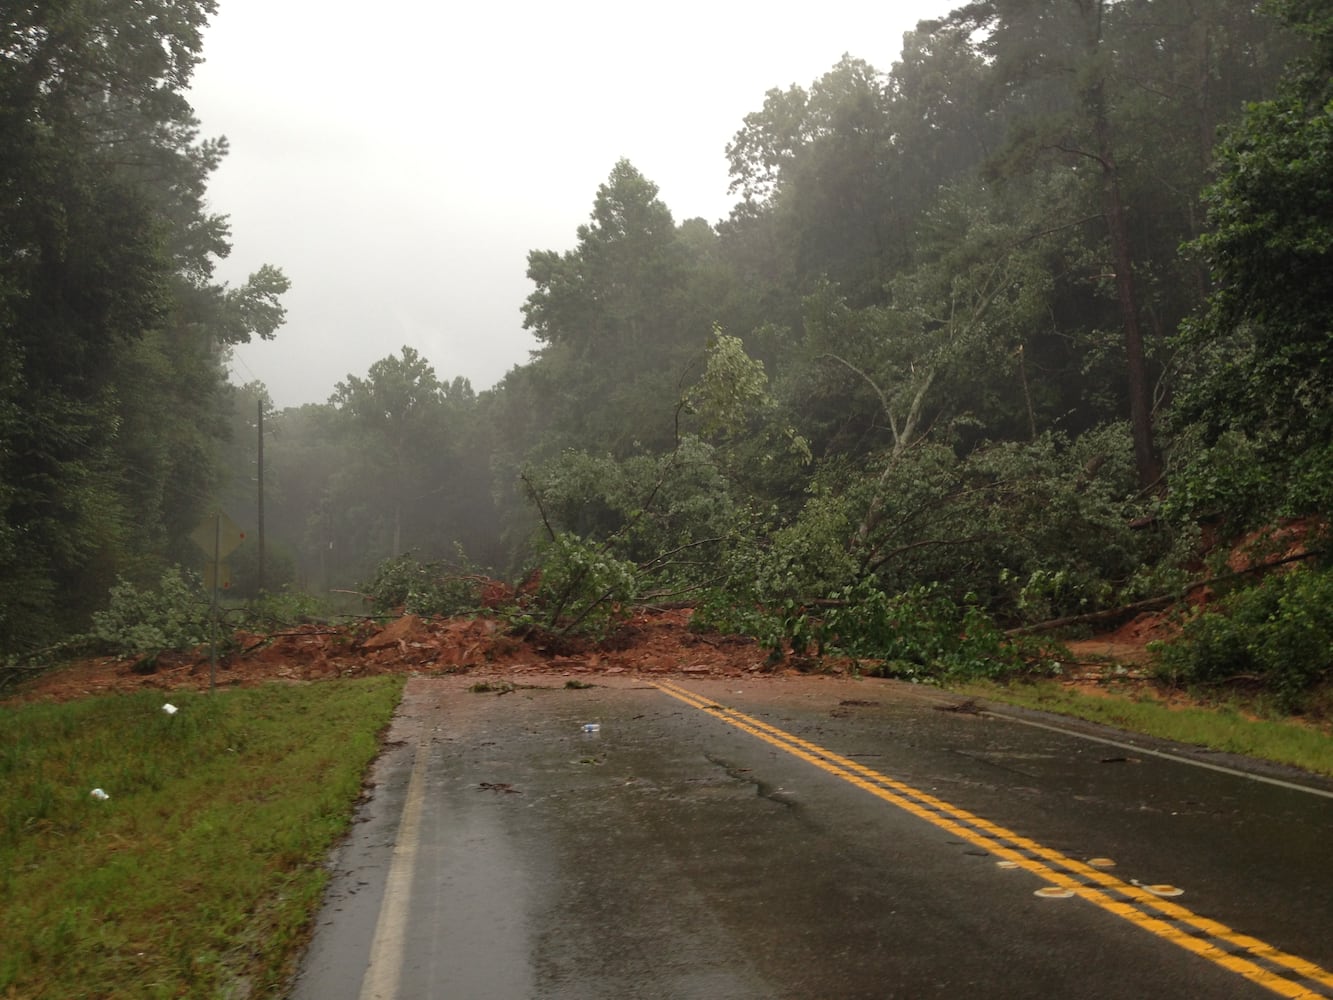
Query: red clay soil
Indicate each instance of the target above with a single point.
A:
(652, 642)
(1127, 646)
(1270, 549)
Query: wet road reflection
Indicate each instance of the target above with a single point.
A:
(671, 854)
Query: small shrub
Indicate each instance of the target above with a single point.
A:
(1278, 634)
(584, 589)
(920, 634)
(722, 611)
(288, 606)
(426, 588)
(173, 616)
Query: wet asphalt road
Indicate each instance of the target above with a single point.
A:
(680, 852)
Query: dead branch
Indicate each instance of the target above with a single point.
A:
(663, 557)
(924, 543)
(1157, 603)
(1152, 604)
(536, 498)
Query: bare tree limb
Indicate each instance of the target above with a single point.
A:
(1156, 603)
(536, 499)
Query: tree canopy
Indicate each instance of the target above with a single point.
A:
(113, 394)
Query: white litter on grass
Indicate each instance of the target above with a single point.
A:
(99, 795)
(170, 709)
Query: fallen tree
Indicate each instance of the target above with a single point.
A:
(1157, 603)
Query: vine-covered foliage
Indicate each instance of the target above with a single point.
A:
(1278, 635)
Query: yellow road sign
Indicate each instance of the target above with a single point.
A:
(219, 572)
(218, 534)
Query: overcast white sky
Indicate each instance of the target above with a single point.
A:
(398, 161)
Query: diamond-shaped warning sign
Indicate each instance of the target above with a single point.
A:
(217, 575)
(218, 534)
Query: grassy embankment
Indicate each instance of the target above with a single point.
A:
(1222, 727)
(197, 876)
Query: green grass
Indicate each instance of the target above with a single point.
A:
(1219, 728)
(199, 874)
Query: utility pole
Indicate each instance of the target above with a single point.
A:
(260, 574)
(215, 613)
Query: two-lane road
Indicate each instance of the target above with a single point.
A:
(811, 838)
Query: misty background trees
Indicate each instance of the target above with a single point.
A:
(113, 392)
(998, 326)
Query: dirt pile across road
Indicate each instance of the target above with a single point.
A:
(651, 642)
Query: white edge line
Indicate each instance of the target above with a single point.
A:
(385, 963)
(1236, 772)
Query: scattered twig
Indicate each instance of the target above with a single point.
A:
(968, 707)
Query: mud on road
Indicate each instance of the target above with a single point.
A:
(652, 641)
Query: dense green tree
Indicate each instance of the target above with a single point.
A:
(398, 458)
(614, 316)
(822, 163)
(395, 418)
(1052, 64)
(1261, 382)
(940, 112)
(110, 322)
(1124, 99)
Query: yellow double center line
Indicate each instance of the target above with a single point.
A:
(1261, 963)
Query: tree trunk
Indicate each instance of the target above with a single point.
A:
(1146, 459)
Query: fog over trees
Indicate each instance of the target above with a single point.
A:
(999, 329)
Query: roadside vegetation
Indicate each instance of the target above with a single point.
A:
(1247, 726)
(198, 873)
(1276, 637)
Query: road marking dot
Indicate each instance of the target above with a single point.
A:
(1054, 892)
(1164, 890)
(1006, 864)
(1101, 862)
